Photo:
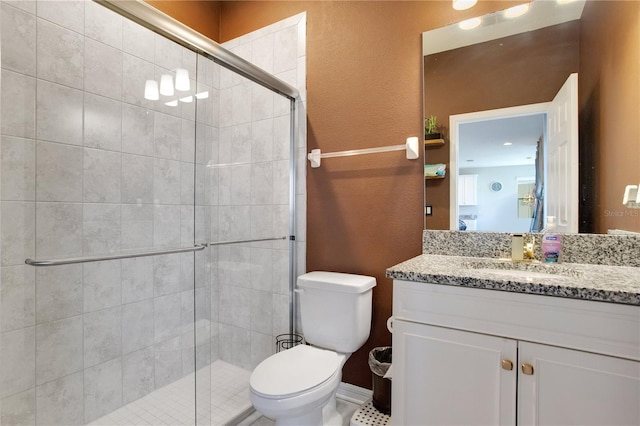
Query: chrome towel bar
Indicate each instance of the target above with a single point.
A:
(72, 260)
(197, 247)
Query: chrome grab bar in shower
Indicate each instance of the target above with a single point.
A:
(72, 260)
(197, 247)
(220, 243)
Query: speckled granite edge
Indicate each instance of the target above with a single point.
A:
(599, 283)
(597, 249)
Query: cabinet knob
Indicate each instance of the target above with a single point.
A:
(507, 365)
(527, 369)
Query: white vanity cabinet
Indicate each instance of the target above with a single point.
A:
(485, 357)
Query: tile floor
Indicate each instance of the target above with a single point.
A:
(174, 404)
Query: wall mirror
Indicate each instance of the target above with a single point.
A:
(491, 89)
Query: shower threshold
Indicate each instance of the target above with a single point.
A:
(173, 404)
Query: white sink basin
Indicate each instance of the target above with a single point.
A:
(527, 270)
(520, 273)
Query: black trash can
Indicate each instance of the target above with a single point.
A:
(379, 363)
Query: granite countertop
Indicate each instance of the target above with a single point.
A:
(615, 284)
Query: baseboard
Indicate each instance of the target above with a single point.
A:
(353, 393)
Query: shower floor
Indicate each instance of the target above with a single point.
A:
(174, 404)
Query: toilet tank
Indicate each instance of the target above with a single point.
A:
(335, 309)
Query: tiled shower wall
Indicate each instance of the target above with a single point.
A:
(253, 200)
(90, 167)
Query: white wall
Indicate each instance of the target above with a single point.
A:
(498, 211)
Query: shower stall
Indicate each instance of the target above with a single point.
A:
(151, 216)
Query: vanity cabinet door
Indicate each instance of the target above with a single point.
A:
(567, 387)
(443, 376)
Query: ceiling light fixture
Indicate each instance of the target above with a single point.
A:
(470, 24)
(166, 85)
(463, 4)
(202, 95)
(507, 144)
(515, 11)
(151, 90)
(187, 99)
(172, 103)
(564, 1)
(182, 80)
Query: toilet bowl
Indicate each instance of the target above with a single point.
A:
(293, 387)
(297, 387)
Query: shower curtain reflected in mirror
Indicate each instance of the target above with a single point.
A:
(95, 164)
(537, 221)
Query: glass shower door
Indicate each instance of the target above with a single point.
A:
(160, 184)
(98, 167)
(244, 135)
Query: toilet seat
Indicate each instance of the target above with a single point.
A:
(293, 371)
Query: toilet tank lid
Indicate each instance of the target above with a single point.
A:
(336, 281)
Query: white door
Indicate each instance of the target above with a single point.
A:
(562, 157)
(450, 377)
(569, 387)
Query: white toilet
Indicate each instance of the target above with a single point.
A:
(298, 386)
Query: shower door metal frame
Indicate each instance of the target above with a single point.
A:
(165, 25)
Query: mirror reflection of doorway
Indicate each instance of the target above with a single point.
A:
(498, 152)
(487, 139)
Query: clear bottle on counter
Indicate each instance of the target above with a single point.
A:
(551, 243)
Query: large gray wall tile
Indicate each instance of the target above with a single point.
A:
(102, 122)
(60, 54)
(102, 389)
(138, 374)
(58, 349)
(66, 13)
(18, 118)
(18, 169)
(60, 402)
(137, 326)
(58, 293)
(17, 371)
(59, 113)
(19, 40)
(18, 297)
(19, 409)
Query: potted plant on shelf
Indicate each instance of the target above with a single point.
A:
(431, 128)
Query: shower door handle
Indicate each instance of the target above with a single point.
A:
(87, 259)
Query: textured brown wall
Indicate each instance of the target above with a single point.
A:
(202, 16)
(517, 70)
(609, 111)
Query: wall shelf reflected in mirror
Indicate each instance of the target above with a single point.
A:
(431, 143)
